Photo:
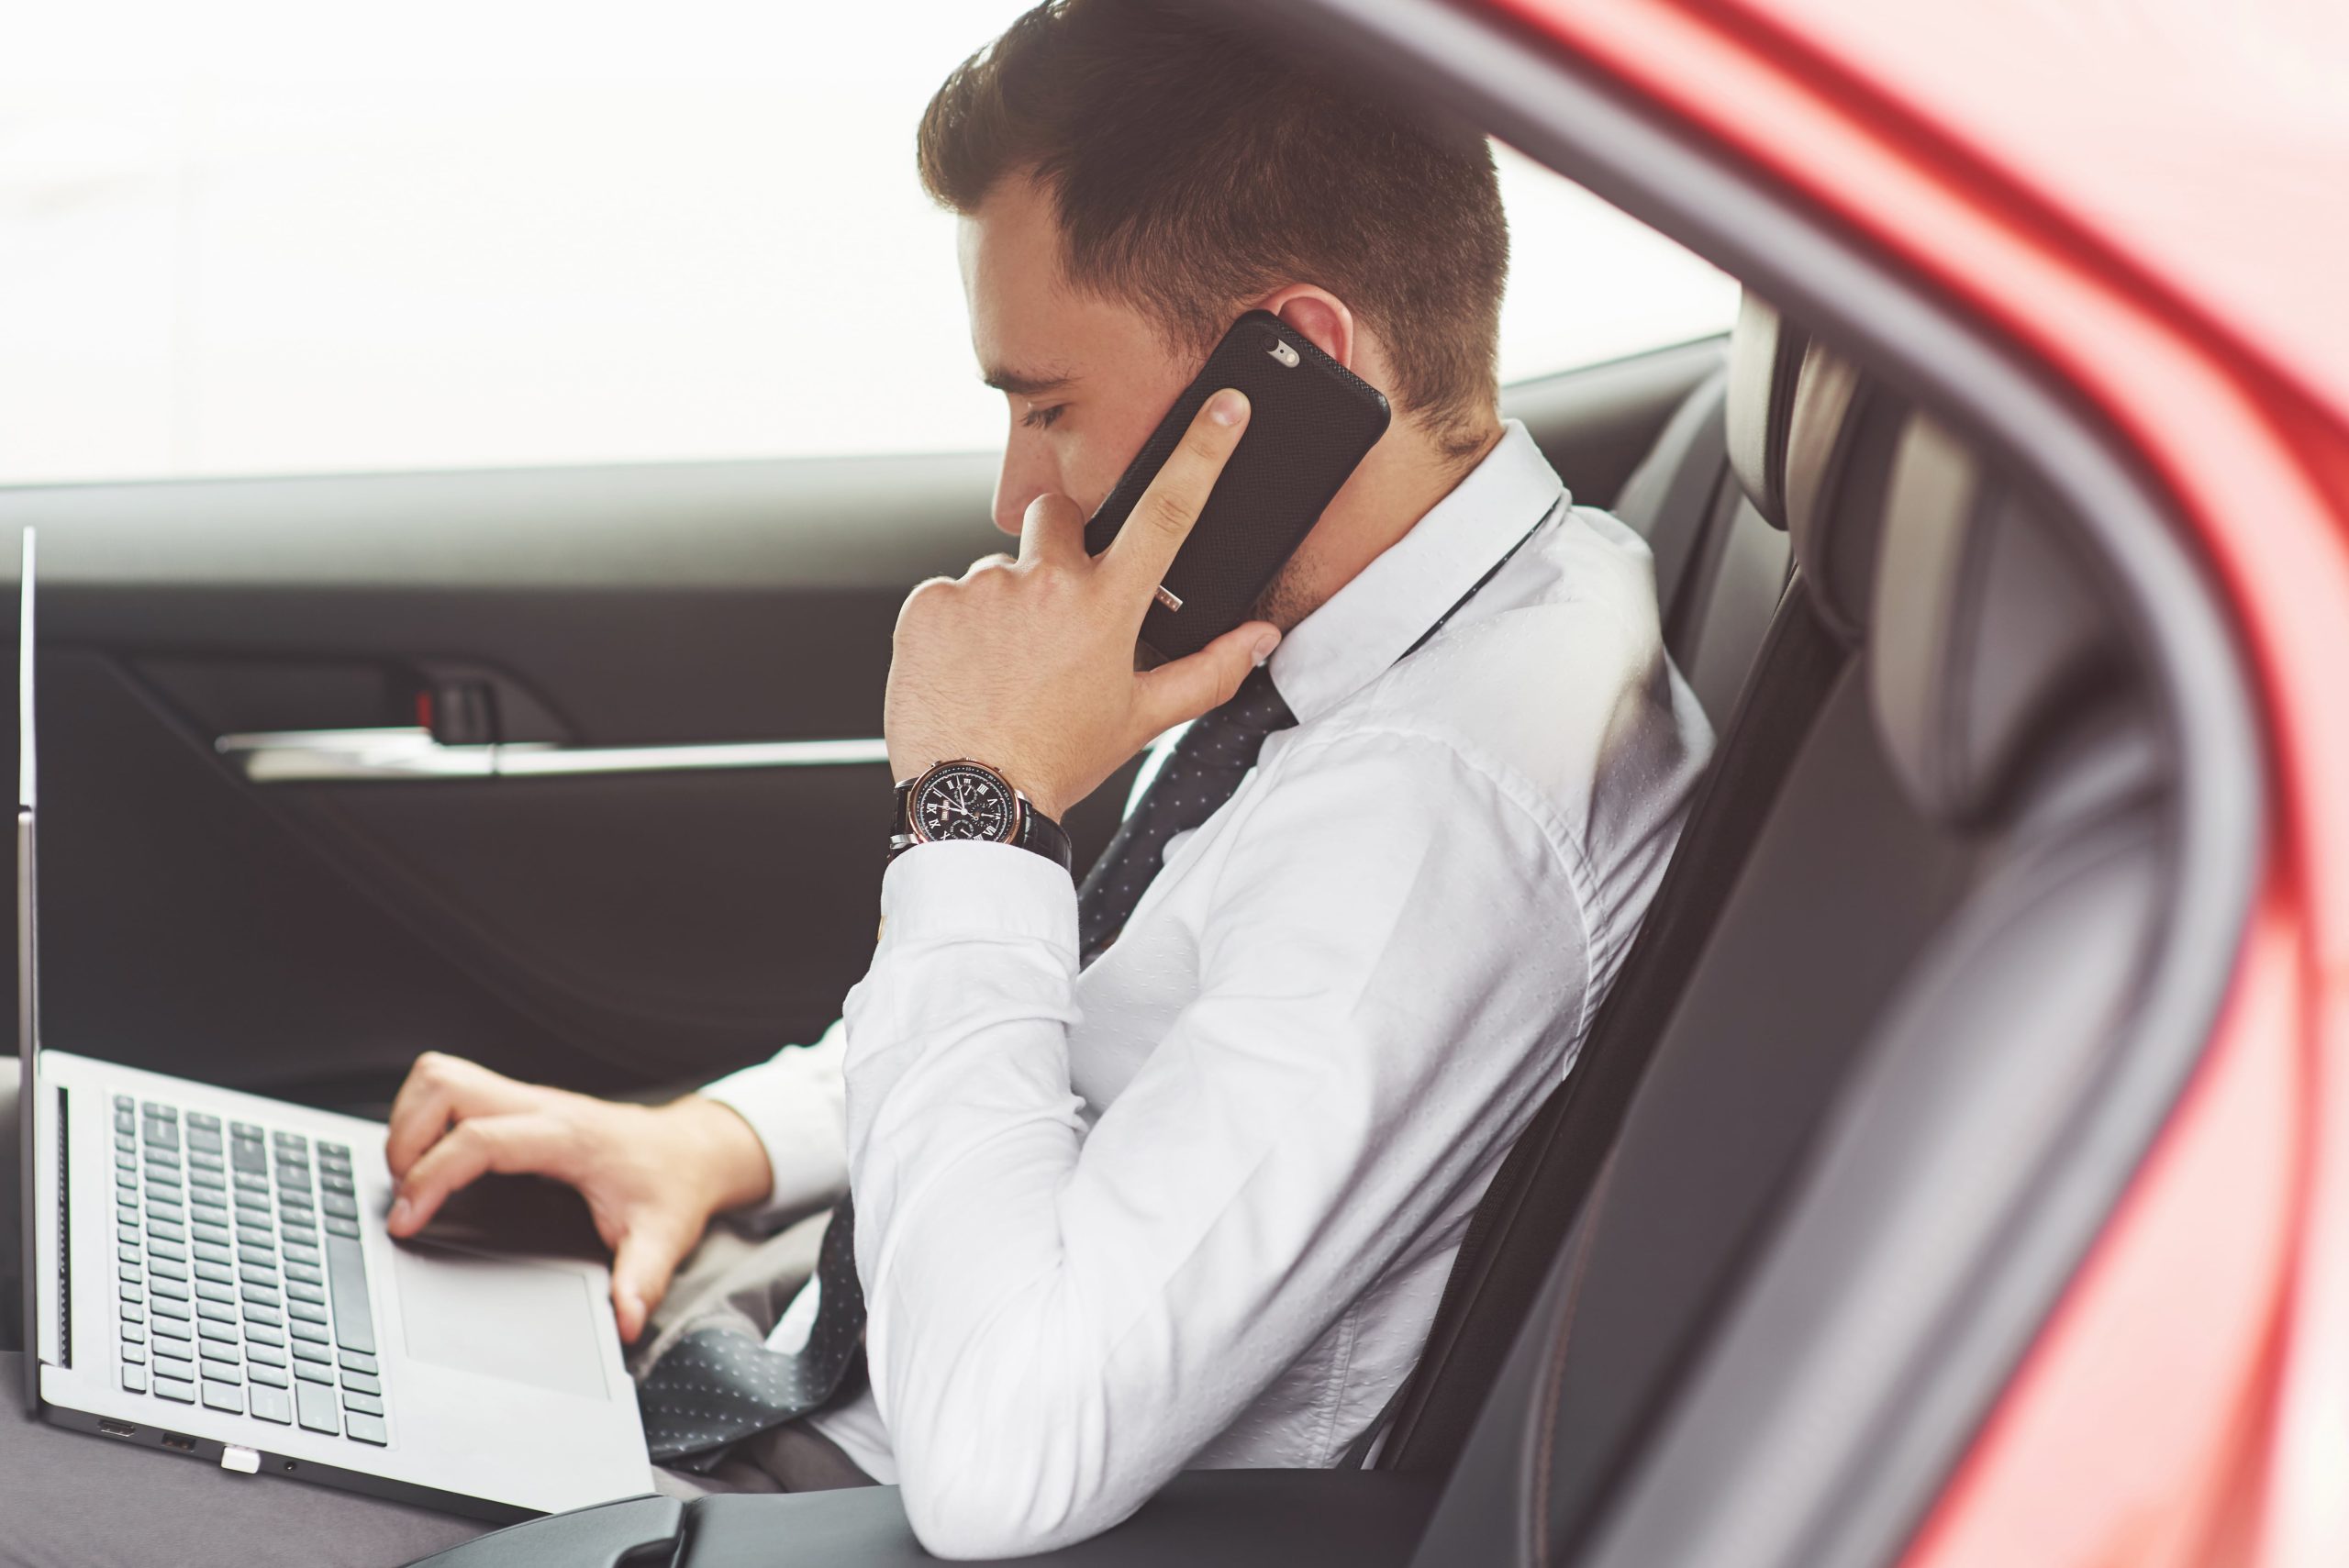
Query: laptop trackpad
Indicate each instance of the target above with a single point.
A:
(499, 1317)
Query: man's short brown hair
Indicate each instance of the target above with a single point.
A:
(1193, 170)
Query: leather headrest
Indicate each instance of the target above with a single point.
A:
(1987, 635)
(1841, 437)
(1764, 355)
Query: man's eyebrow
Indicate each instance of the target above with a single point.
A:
(1024, 383)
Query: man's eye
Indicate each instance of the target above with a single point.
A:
(1044, 418)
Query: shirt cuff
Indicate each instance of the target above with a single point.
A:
(958, 891)
(797, 1103)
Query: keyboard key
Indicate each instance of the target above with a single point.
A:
(161, 1213)
(316, 1404)
(257, 1335)
(159, 1174)
(263, 1376)
(347, 1229)
(134, 1379)
(365, 1403)
(125, 1143)
(134, 1351)
(216, 1234)
(209, 1179)
(304, 1274)
(248, 1158)
(130, 1313)
(224, 1396)
(166, 1230)
(207, 1161)
(306, 1312)
(209, 1253)
(173, 1350)
(304, 1350)
(173, 1388)
(175, 1290)
(311, 1372)
(341, 1206)
(172, 1320)
(272, 1404)
(170, 1251)
(305, 1236)
(158, 1111)
(218, 1333)
(215, 1312)
(334, 1184)
(353, 1361)
(217, 1273)
(306, 1333)
(366, 1429)
(296, 1252)
(221, 1371)
(252, 1203)
(334, 1151)
(128, 1235)
(347, 1276)
(360, 1382)
(205, 1120)
(260, 1295)
(255, 1233)
(244, 1129)
(252, 1181)
(126, 1213)
(129, 1272)
(301, 1292)
(126, 1162)
(257, 1273)
(208, 1291)
(166, 1268)
(264, 1355)
(264, 1317)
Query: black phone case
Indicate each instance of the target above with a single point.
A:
(1309, 425)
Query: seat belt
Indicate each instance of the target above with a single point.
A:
(1513, 1235)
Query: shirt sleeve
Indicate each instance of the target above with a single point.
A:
(795, 1102)
(1059, 1321)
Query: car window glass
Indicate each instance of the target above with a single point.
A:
(264, 237)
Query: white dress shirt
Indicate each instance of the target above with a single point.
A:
(1193, 1206)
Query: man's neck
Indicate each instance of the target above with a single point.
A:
(1400, 483)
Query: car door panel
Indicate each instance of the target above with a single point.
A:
(620, 929)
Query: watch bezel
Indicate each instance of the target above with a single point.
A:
(921, 782)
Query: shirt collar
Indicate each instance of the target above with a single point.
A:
(1367, 625)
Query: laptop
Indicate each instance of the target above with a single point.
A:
(208, 1275)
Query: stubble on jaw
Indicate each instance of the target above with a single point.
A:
(1289, 598)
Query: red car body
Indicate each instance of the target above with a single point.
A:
(2152, 202)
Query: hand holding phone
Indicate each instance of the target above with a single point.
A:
(1311, 423)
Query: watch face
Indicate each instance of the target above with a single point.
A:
(957, 800)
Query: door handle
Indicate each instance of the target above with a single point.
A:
(388, 755)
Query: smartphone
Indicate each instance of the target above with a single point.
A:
(1310, 423)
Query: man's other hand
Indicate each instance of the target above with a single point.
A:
(653, 1175)
(1028, 665)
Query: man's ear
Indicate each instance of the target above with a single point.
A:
(1321, 316)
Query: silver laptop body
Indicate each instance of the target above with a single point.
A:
(208, 1274)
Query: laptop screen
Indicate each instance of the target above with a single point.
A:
(27, 1010)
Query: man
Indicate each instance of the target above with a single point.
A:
(1170, 1174)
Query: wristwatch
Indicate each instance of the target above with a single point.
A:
(965, 801)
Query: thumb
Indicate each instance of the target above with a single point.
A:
(1189, 687)
(641, 1269)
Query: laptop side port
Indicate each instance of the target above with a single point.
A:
(117, 1428)
(184, 1445)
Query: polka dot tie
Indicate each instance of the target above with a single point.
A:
(718, 1385)
(1200, 775)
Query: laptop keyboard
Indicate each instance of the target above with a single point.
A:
(235, 1292)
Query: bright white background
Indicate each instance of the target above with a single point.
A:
(277, 236)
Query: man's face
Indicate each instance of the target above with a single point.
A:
(1087, 380)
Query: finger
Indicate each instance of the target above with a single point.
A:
(442, 1089)
(509, 1145)
(1053, 528)
(641, 1269)
(1162, 519)
(1183, 690)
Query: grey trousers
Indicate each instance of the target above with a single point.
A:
(71, 1500)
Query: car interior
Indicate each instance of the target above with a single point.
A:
(1762, 1261)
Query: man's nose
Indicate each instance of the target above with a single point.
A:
(1019, 480)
